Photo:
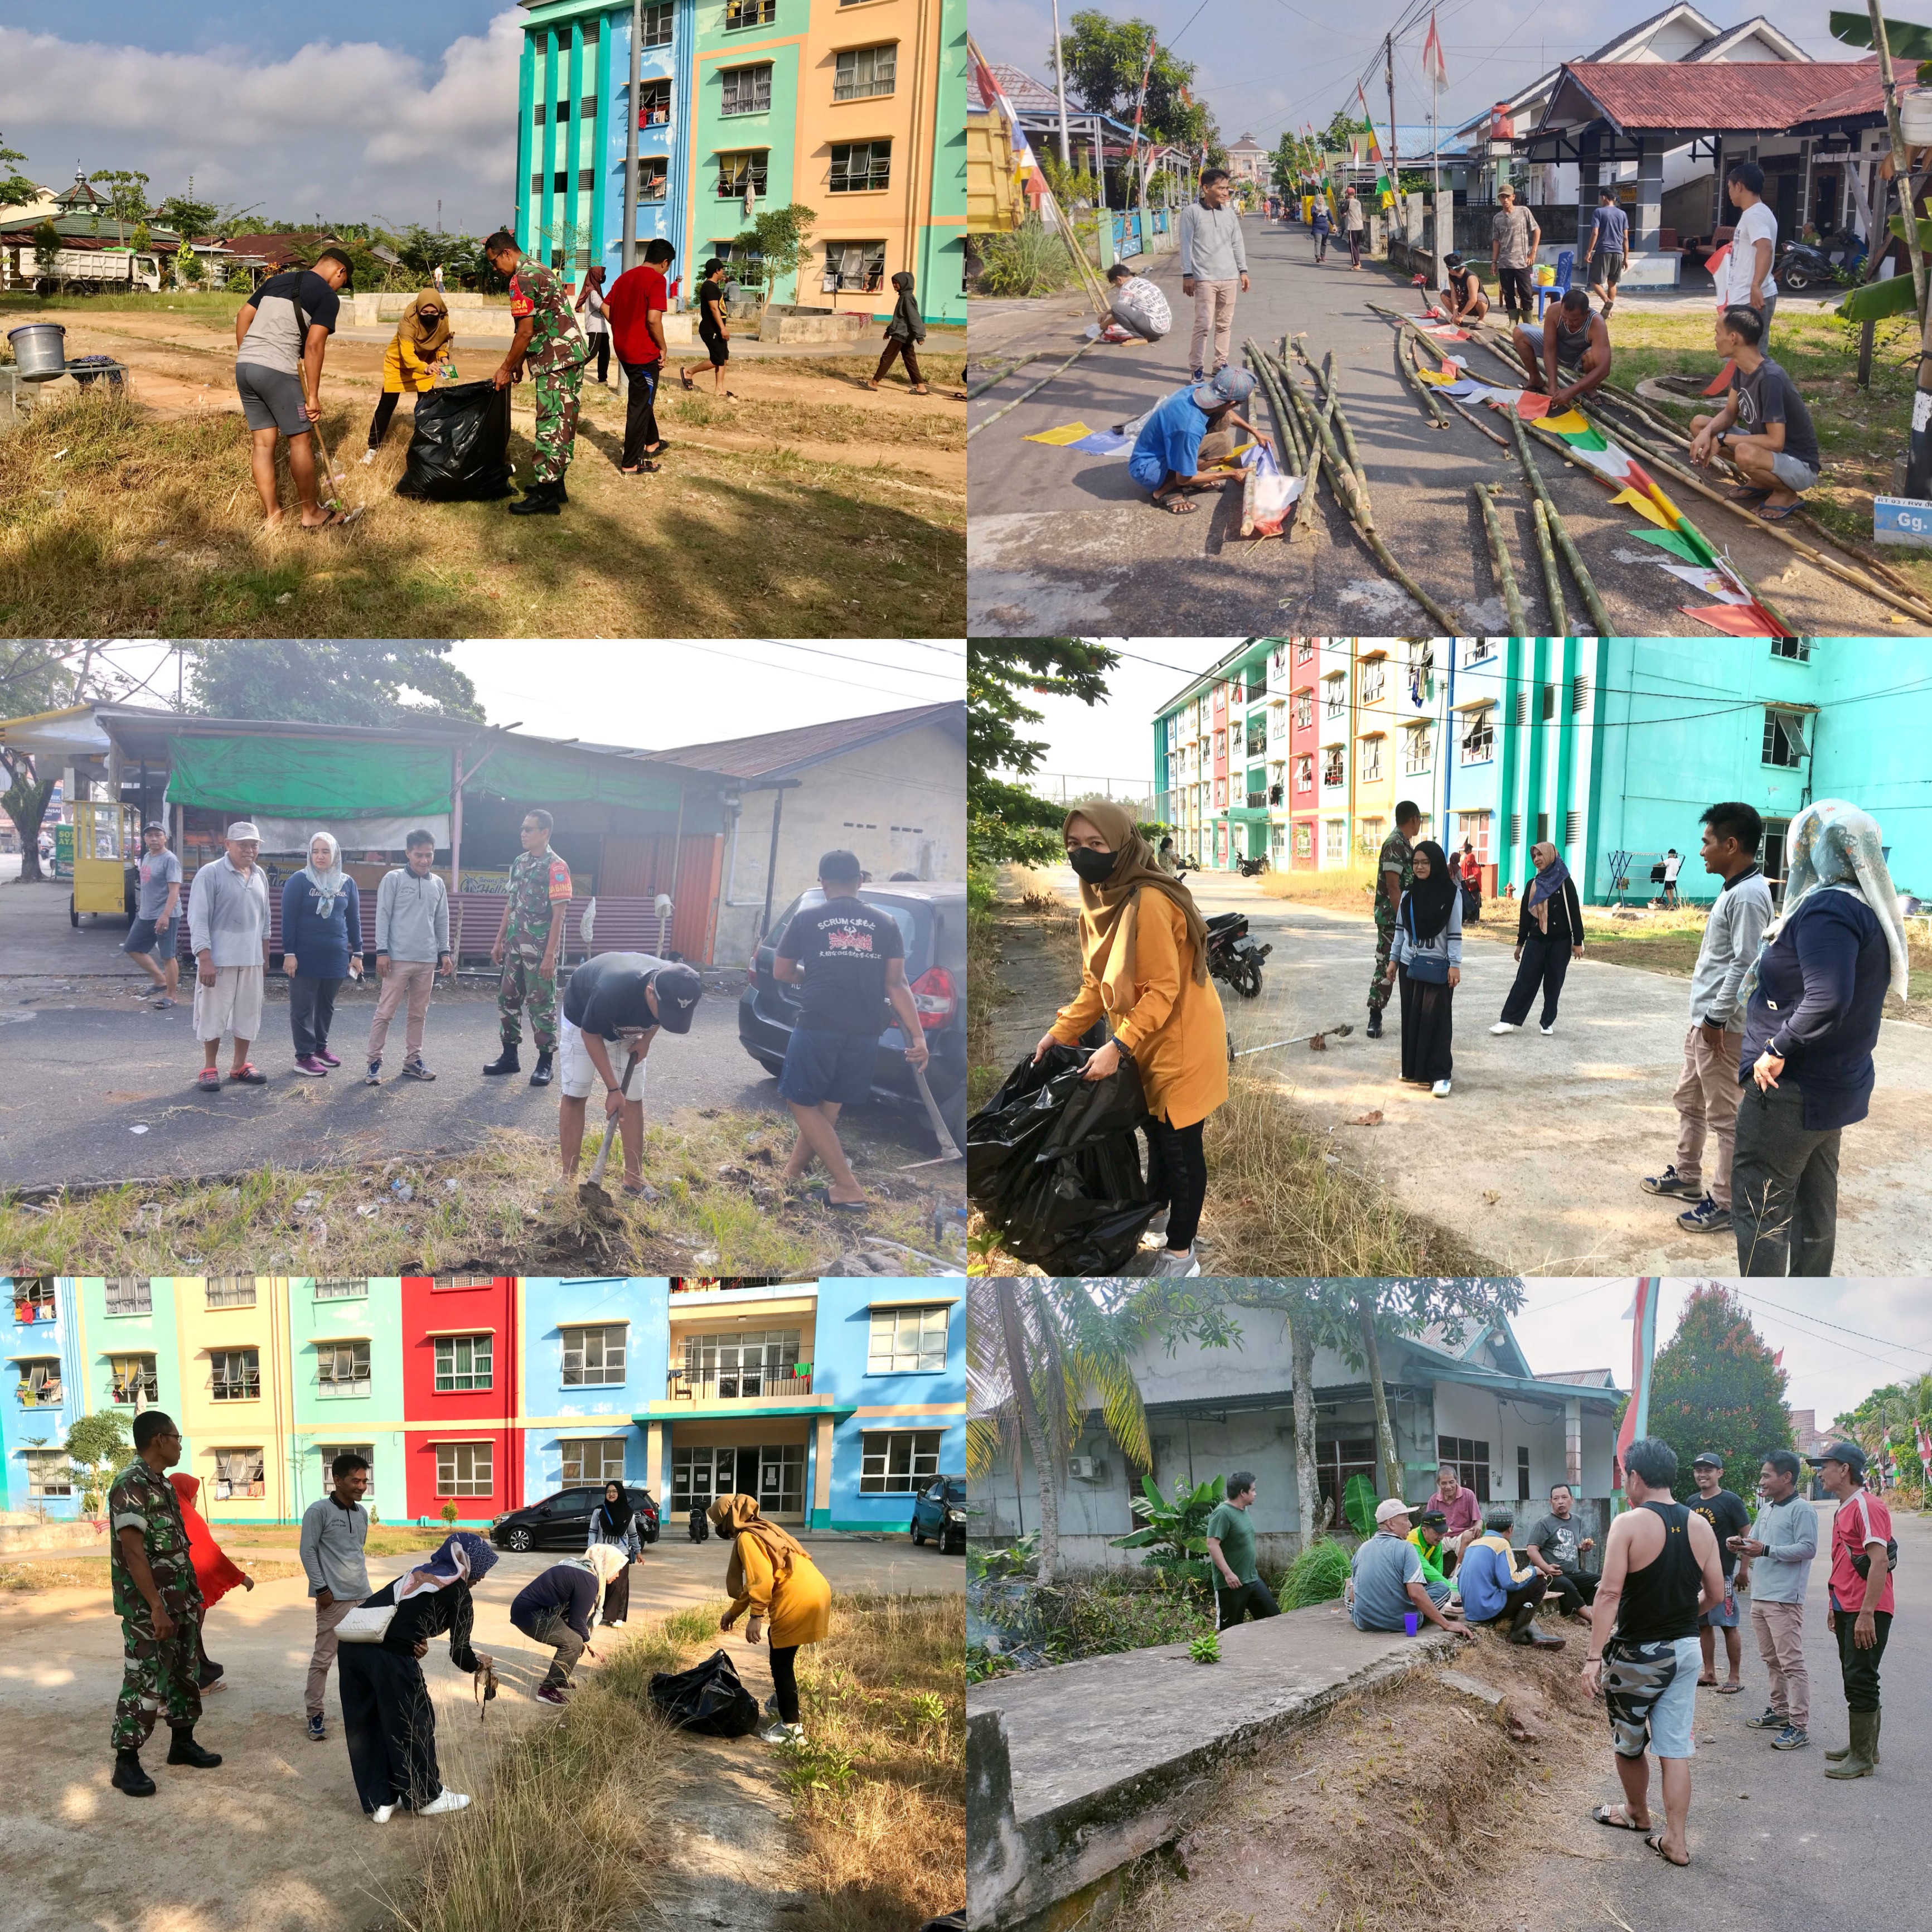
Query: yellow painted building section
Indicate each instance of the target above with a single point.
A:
(263, 1423)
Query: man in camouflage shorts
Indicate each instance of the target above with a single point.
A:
(159, 1604)
(529, 944)
(1395, 869)
(549, 345)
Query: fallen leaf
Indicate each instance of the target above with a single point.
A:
(1371, 1118)
(1490, 1197)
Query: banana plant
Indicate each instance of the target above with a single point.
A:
(1175, 1534)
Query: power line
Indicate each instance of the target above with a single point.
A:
(1883, 1341)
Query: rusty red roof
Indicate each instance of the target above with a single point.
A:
(1863, 96)
(780, 753)
(1723, 97)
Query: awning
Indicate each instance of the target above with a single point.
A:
(308, 778)
(73, 732)
(528, 775)
(916, 1301)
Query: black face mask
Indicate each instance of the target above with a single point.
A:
(1095, 868)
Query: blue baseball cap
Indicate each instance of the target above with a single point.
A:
(1228, 385)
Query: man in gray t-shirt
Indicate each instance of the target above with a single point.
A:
(1557, 1546)
(281, 333)
(1514, 239)
(1386, 1582)
(156, 901)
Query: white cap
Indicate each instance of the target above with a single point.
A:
(245, 828)
(1389, 1508)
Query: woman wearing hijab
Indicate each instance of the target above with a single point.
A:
(558, 1608)
(423, 340)
(1426, 952)
(322, 946)
(212, 1570)
(1549, 933)
(614, 1526)
(1143, 970)
(1812, 1001)
(387, 1718)
(906, 327)
(771, 1576)
(596, 321)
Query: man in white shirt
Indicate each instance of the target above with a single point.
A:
(1746, 281)
(1139, 307)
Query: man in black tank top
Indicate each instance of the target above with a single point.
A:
(1661, 1567)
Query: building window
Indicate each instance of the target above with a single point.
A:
(598, 1459)
(1304, 653)
(1479, 650)
(739, 1368)
(1416, 748)
(748, 90)
(652, 171)
(131, 1381)
(657, 26)
(560, 181)
(48, 1473)
(341, 1289)
(654, 103)
(1304, 709)
(441, 1284)
(463, 1361)
(854, 264)
(749, 14)
(236, 1374)
(907, 1341)
(1472, 829)
(1579, 693)
(741, 174)
(1479, 735)
(1375, 680)
(33, 1300)
(235, 1290)
(1333, 764)
(863, 72)
(1335, 695)
(40, 1384)
(1304, 840)
(699, 1476)
(1522, 1473)
(1369, 840)
(1546, 703)
(1783, 738)
(1336, 1459)
(1256, 740)
(858, 166)
(1421, 671)
(592, 1357)
(1304, 771)
(1796, 648)
(896, 1462)
(131, 1294)
(239, 1475)
(464, 1469)
(367, 1450)
(1470, 1459)
(1372, 759)
(342, 1368)
(1334, 842)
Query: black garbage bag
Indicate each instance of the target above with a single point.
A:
(708, 1699)
(1054, 1163)
(459, 451)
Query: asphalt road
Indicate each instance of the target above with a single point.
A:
(1061, 541)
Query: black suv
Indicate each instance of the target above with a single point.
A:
(940, 1512)
(563, 1522)
(932, 917)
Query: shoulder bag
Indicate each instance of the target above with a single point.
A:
(367, 1623)
(1431, 968)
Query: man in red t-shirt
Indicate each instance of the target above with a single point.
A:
(1460, 1504)
(1861, 1613)
(636, 305)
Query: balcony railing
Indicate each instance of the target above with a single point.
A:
(753, 1385)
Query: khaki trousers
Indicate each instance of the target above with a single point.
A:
(1214, 314)
(1780, 1629)
(413, 980)
(326, 1621)
(1706, 1099)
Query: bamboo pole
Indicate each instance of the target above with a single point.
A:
(1417, 350)
(974, 429)
(1291, 435)
(1308, 483)
(1499, 562)
(1553, 582)
(1430, 406)
(1592, 602)
(1324, 382)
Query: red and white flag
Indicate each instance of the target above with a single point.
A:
(1433, 64)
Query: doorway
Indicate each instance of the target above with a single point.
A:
(1774, 858)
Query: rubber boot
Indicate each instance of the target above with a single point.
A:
(540, 1073)
(1858, 1761)
(130, 1778)
(505, 1062)
(541, 500)
(1878, 1724)
(185, 1750)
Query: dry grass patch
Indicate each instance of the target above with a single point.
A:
(90, 1573)
(1343, 888)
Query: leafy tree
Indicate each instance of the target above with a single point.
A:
(46, 247)
(37, 676)
(1003, 819)
(99, 1447)
(1714, 1386)
(423, 251)
(778, 242)
(188, 217)
(353, 681)
(1105, 58)
(1344, 125)
(15, 189)
(140, 238)
(127, 197)
(1888, 1419)
(188, 265)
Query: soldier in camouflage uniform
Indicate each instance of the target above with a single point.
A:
(159, 1604)
(528, 946)
(549, 345)
(1396, 860)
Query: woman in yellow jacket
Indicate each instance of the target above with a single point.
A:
(771, 1576)
(423, 338)
(1143, 967)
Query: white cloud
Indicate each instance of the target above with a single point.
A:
(357, 131)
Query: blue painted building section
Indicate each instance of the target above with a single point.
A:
(46, 1393)
(557, 1414)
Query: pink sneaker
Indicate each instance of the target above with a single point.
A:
(308, 1063)
(327, 1058)
(549, 1694)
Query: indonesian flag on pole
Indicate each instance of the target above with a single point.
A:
(1433, 65)
(1641, 1314)
(1925, 1448)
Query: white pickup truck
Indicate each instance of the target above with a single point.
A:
(80, 271)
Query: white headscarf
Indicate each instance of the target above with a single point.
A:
(1832, 846)
(332, 881)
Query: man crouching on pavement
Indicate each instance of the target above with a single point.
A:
(617, 997)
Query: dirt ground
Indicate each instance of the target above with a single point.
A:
(273, 1839)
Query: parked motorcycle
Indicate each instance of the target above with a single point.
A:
(1803, 266)
(1232, 956)
(1249, 867)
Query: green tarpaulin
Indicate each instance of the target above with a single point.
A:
(304, 778)
(529, 775)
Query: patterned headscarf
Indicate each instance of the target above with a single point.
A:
(331, 881)
(464, 1557)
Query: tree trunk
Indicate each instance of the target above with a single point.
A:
(1301, 1338)
(26, 803)
(1013, 1333)
(1365, 1319)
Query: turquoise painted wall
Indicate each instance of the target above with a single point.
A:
(715, 218)
(331, 1421)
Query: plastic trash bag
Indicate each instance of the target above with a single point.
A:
(710, 1699)
(1053, 1162)
(459, 451)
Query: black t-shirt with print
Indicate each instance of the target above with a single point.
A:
(843, 945)
(1725, 1514)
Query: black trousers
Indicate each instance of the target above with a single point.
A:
(600, 345)
(1519, 297)
(641, 411)
(1543, 965)
(1784, 1185)
(1572, 1590)
(390, 1726)
(617, 1598)
(784, 1681)
(1177, 1174)
(1532, 1592)
(1859, 1668)
(1253, 1600)
(1355, 247)
(311, 1013)
(379, 424)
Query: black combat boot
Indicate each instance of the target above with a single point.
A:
(1375, 1026)
(505, 1062)
(185, 1750)
(540, 1074)
(540, 499)
(130, 1778)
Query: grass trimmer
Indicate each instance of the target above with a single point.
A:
(592, 1195)
(1317, 1043)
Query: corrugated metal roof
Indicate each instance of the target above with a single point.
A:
(774, 754)
(1737, 96)
(1865, 96)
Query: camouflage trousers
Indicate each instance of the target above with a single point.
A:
(1378, 986)
(159, 1671)
(524, 984)
(557, 396)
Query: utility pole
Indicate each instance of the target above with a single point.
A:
(627, 257)
(1395, 168)
(1059, 88)
(1918, 457)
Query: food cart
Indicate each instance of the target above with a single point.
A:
(107, 847)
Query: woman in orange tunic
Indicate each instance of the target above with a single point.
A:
(1144, 968)
(212, 1570)
(771, 1576)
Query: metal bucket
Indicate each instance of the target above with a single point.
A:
(39, 349)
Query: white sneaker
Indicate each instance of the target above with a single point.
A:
(616, 1623)
(1549, 1029)
(1167, 1263)
(368, 457)
(1505, 1026)
(450, 1801)
(782, 1733)
(382, 1813)
(1440, 1090)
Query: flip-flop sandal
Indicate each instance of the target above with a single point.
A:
(1707, 1683)
(328, 523)
(1773, 513)
(1655, 1841)
(209, 1081)
(683, 375)
(249, 1075)
(1729, 1690)
(1746, 493)
(822, 1196)
(1178, 506)
(1606, 1814)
